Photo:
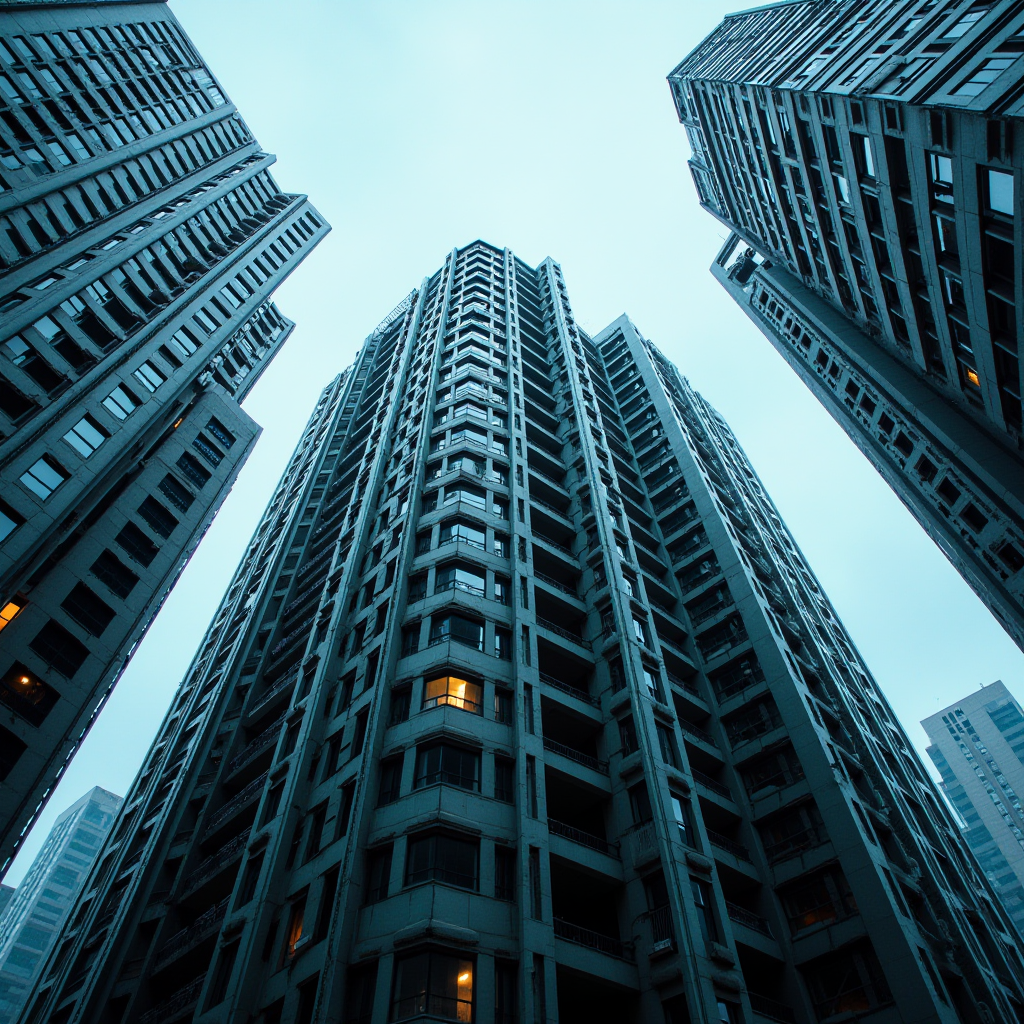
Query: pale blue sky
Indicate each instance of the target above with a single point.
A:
(546, 126)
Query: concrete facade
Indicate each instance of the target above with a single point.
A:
(867, 159)
(977, 745)
(524, 706)
(141, 239)
(33, 919)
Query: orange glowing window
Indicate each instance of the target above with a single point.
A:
(295, 922)
(10, 611)
(972, 376)
(457, 693)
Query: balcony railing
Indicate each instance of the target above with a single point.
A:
(771, 1009)
(571, 591)
(236, 803)
(594, 940)
(662, 930)
(572, 691)
(697, 733)
(575, 835)
(805, 839)
(643, 840)
(712, 784)
(256, 747)
(575, 755)
(203, 926)
(176, 1006)
(748, 919)
(209, 867)
(270, 695)
(565, 633)
(728, 845)
(543, 538)
(549, 506)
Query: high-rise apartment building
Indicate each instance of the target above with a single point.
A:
(141, 238)
(977, 745)
(6, 892)
(524, 706)
(35, 914)
(867, 159)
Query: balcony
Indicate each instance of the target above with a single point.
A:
(180, 1004)
(255, 747)
(748, 919)
(565, 634)
(204, 926)
(568, 688)
(710, 784)
(575, 835)
(214, 863)
(727, 845)
(240, 800)
(554, 747)
(592, 939)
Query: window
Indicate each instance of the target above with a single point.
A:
(459, 629)
(503, 644)
(667, 743)
(157, 516)
(86, 608)
(984, 76)
(999, 191)
(640, 632)
(110, 570)
(362, 985)
(401, 697)
(821, 898)
(44, 476)
(296, 920)
(705, 915)
(209, 451)
(378, 874)
(24, 693)
(442, 858)
(504, 873)
(192, 469)
(433, 983)
(177, 494)
(454, 692)
(942, 177)
(849, 980)
(149, 376)
(504, 779)
(442, 764)
(502, 591)
(627, 736)
(684, 820)
(390, 780)
(651, 682)
(9, 612)
(459, 576)
(86, 436)
(139, 547)
(456, 531)
(250, 879)
(222, 974)
(220, 433)
(640, 803)
(506, 988)
(11, 749)
(9, 520)
(501, 545)
(59, 648)
(502, 705)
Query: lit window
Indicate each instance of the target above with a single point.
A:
(295, 924)
(454, 692)
(434, 984)
(10, 611)
(85, 436)
(972, 376)
(44, 477)
(120, 403)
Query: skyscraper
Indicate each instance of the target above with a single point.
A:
(36, 912)
(523, 706)
(866, 160)
(141, 238)
(977, 744)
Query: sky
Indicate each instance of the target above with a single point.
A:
(546, 126)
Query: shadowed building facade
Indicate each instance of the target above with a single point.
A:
(523, 706)
(141, 239)
(867, 159)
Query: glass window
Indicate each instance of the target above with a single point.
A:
(639, 632)
(26, 694)
(442, 858)
(148, 376)
(454, 692)
(681, 812)
(43, 477)
(705, 916)
(378, 874)
(984, 76)
(1000, 191)
(460, 577)
(120, 403)
(463, 533)
(85, 436)
(470, 495)
(9, 521)
(457, 629)
(443, 764)
(435, 984)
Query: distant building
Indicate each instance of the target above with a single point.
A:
(38, 907)
(867, 160)
(6, 892)
(142, 237)
(977, 745)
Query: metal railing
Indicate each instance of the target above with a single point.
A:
(572, 691)
(588, 937)
(748, 919)
(174, 1007)
(728, 845)
(713, 784)
(205, 924)
(662, 930)
(697, 733)
(256, 746)
(643, 839)
(271, 694)
(576, 755)
(548, 506)
(575, 835)
(551, 582)
(567, 634)
(236, 803)
(214, 863)
(771, 1009)
(552, 543)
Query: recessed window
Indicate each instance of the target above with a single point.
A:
(120, 403)
(459, 576)
(88, 610)
(457, 628)
(149, 376)
(452, 691)
(443, 764)
(44, 476)
(984, 76)
(59, 649)
(433, 983)
(9, 612)
(26, 694)
(138, 546)
(442, 858)
(157, 516)
(9, 520)
(999, 191)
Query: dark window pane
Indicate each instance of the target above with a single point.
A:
(139, 547)
(87, 609)
(192, 469)
(177, 494)
(109, 569)
(59, 648)
(158, 517)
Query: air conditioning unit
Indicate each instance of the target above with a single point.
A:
(661, 947)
